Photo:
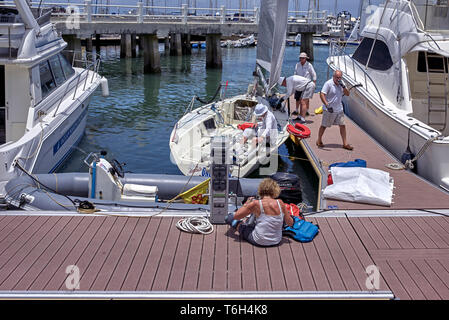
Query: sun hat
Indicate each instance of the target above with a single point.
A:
(260, 109)
(304, 55)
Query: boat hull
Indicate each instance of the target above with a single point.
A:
(392, 132)
(56, 147)
(24, 193)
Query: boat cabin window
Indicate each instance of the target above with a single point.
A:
(209, 124)
(66, 66)
(54, 72)
(380, 58)
(57, 70)
(47, 82)
(436, 63)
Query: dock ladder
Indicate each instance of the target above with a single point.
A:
(432, 98)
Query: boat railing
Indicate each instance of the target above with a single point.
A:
(350, 66)
(12, 29)
(90, 63)
(431, 15)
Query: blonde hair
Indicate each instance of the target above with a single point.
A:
(269, 187)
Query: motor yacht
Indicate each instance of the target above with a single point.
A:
(401, 89)
(44, 91)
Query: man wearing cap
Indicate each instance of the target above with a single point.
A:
(266, 126)
(297, 83)
(304, 69)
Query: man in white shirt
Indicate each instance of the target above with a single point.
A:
(297, 83)
(304, 69)
(267, 127)
(331, 95)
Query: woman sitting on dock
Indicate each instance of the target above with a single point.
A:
(264, 226)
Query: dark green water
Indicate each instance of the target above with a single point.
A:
(134, 123)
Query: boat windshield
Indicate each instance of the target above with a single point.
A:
(433, 14)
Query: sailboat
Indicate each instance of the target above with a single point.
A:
(400, 72)
(191, 136)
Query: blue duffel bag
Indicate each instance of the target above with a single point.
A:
(302, 230)
(355, 163)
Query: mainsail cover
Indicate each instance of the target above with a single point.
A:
(271, 37)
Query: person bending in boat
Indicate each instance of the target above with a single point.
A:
(264, 226)
(297, 83)
(331, 94)
(266, 128)
(304, 69)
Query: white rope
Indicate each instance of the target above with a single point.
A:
(195, 225)
(409, 163)
(395, 166)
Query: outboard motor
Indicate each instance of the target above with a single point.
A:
(105, 183)
(290, 187)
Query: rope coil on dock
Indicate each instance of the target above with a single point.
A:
(200, 225)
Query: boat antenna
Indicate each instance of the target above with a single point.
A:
(39, 8)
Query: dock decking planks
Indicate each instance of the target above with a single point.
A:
(151, 254)
(411, 191)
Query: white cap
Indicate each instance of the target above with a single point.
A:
(260, 109)
(281, 79)
(304, 55)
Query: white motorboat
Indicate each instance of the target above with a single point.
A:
(401, 69)
(191, 136)
(44, 96)
(240, 43)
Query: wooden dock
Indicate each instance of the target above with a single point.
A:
(42, 256)
(410, 190)
(116, 256)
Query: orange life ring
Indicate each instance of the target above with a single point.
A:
(299, 130)
(246, 125)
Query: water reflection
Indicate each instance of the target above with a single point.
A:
(212, 82)
(134, 123)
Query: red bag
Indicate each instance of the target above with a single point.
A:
(329, 179)
(246, 125)
(293, 210)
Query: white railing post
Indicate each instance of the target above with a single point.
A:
(139, 12)
(222, 14)
(184, 11)
(256, 15)
(88, 9)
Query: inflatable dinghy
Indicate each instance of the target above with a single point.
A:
(107, 188)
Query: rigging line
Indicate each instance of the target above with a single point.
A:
(211, 99)
(377, 34)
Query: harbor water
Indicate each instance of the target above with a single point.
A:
(134, 123)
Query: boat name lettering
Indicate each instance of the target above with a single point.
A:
(69, 132)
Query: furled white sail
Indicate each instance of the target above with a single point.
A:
(271, 37)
